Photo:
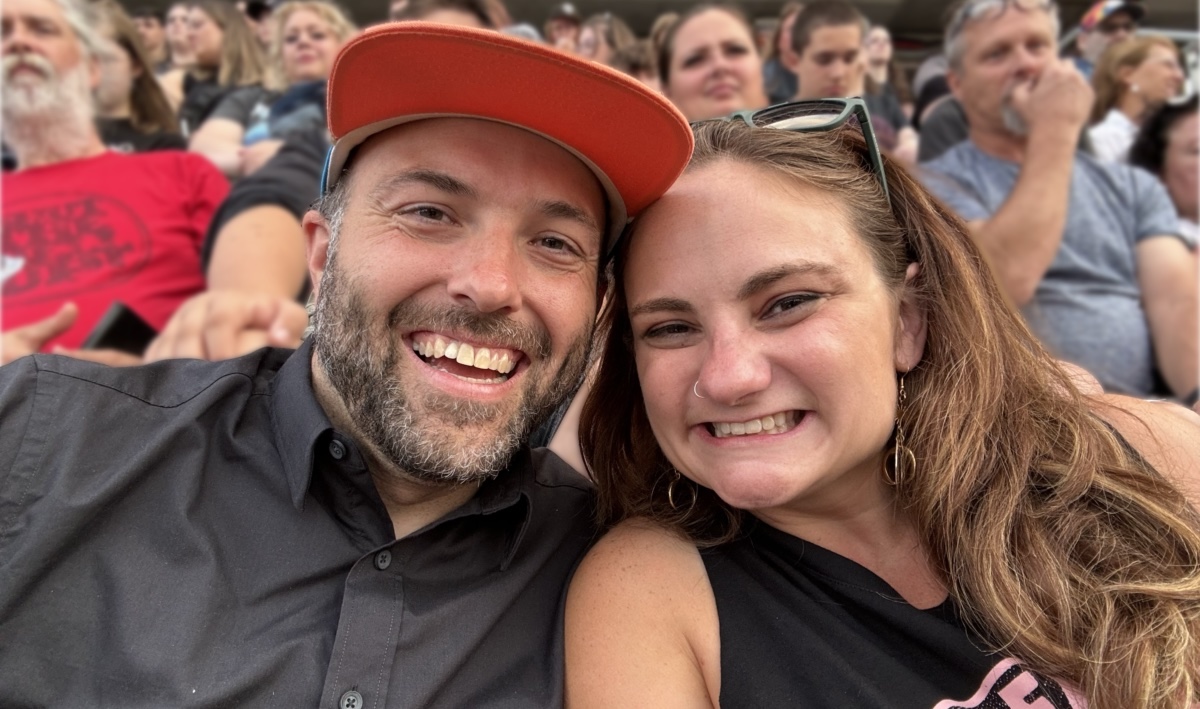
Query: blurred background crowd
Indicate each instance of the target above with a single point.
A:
(160, 157)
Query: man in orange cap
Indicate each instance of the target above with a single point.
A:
(356, 524)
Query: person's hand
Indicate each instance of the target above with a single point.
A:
(30, 338)
(1059, 98)
(223, 324)
(256, 155)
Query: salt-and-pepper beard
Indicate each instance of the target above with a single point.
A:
(360, 358)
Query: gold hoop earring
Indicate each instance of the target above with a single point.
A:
(900, 461)
(671, 494)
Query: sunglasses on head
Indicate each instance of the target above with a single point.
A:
(973, 10)
(817, 116)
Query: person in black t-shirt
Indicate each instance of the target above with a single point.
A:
(132, 112)
(848, 475)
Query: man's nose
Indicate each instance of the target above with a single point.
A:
(487, 276)
(1028, 64)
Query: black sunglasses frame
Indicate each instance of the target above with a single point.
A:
(841, 109)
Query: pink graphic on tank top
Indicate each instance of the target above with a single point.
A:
(1011, 686)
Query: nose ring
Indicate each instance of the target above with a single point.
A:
(696, 391)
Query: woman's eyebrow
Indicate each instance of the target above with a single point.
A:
(661, 305)
(769, 276)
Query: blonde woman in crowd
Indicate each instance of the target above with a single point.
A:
(250, 124)
(847, 474)
(1132, 80)
(709, 64)
(226, 55)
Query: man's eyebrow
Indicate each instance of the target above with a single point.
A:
(767, 277)
(557, 209)
(437, 180)
(661, 305)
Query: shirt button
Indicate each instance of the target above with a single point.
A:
(383, 559)
(351, 700)
(337, 450)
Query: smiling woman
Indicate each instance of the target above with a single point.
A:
(846, 473)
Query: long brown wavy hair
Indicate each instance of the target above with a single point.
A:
(149, 110)
(1060, 544)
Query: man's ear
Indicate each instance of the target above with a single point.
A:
(954, 81)
(316, 230)
(910, 338)
(790, 60)
(93, 70)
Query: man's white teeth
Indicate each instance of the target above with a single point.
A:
(461, 352)
(774, 424)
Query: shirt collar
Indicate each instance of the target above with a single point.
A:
(508, 491)
(300, 422)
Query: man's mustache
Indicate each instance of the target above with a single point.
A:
(27, 59)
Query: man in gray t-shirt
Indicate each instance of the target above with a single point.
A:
(1088, 251)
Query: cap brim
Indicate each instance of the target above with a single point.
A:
(632, 138)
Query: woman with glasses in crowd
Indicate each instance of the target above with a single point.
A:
(250, 124)
(132, 112)
(1133, 79)
(848, 475)
(709, 65)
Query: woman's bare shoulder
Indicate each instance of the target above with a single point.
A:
(641, 626)
(1165, 434)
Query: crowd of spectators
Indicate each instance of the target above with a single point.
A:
(164, 160)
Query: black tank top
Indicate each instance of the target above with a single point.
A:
(804, 627)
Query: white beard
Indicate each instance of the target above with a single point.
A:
(47, 115)
(1013, 121)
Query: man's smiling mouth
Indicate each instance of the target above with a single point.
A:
(470, 362)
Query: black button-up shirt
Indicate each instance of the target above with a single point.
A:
(198, 534)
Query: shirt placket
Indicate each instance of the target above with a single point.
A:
(370, 623)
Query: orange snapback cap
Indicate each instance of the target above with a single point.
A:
(630, 137)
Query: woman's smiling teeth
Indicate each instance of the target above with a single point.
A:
(773, 424)
(435, 347)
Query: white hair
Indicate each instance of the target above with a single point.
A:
(85, 20)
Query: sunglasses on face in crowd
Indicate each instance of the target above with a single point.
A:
(1115, 26)
(817, 116)
(973, 10)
